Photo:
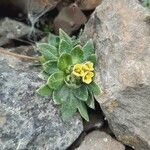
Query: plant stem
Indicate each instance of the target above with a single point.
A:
(5, 52)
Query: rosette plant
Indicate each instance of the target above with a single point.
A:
(69, 70)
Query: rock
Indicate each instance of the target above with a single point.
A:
(12, 29)
(88, 4)
(63, 4)
(122, 42)
(31, 6)
(69, 19)
(96, 121)
(25, 50)
(27, 120)
(97, 140)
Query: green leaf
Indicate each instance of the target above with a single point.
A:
(56, 80)
(48, 51)
(146, 3)
(88, 49)
(67, 112)
(83, 110)
(64, 36)
(69, 108)
(81, 93)
(92, 58)
(94, 88)
(64, 47)
(53, 40)
(75, 41)
(44, 90)
(64, 62)
(72, 85)
(50, 67)
(61, 94)
(43, 75)
(77, 54)
(91, 102)
(42, 59)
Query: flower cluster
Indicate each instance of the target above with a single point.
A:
(85, 71)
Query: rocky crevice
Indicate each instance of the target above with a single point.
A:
(28, 121)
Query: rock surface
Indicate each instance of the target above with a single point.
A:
(122, 42)
(69, 19)
(25, 50)
(96, 121)
(31, 6)
(11, 29)
(88, 4)
(27, 120)
(97, 140)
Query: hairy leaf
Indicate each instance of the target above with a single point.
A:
(56, 80)
(43, 75)
(69, 107)
(91, 102)
(67, 112)
(53, 40)
(64, 61)
(83, 110)
(44, 90)
(61, 95)
(94, 88)
(88, 49)
(65, 37)
(77, 54)
(64, 47)
(81, 93)
(92, 58)
(48, 51)
(50, 67)
(146, 3)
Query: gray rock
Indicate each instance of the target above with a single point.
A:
(69, 19)
(25, 50)
(97, 140)
(122, 42)
(88, 4)
(12, 29)
(96, 121)
(34, 7)
(27, 120)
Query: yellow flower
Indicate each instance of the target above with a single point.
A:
(88, 66)
(85, 71)
(87, 78)
(78, 70)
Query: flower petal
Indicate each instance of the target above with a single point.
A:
(77, 70)
(88, 66)
(87, 78)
